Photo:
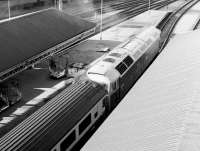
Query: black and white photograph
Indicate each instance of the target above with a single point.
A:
(99, 75)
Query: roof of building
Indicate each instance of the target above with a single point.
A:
(30, 35)
(161, 112)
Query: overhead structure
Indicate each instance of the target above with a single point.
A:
(28, 39)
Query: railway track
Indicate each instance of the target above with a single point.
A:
(107, 6)
(168, 25)
(126, 11)
(132, 12)
(112, 6)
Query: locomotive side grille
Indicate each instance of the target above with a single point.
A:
(137, 54)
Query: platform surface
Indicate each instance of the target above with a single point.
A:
(30, 35)
(161, 112)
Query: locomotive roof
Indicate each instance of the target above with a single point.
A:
(55, 118)
(108, 63)
(150, 32)
(30, 35)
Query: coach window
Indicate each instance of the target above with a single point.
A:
(68, 141)
(84, 124)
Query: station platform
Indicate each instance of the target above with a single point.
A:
(161, 111)
(36, 85)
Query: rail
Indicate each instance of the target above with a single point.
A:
(197, 25)
(169, 25)
(131, 12)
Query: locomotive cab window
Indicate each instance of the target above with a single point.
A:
(121, 68)
(84, 124)
(128, 61)
(68, 141)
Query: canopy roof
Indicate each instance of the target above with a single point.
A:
(30, 35)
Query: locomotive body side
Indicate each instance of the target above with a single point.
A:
(143, 49)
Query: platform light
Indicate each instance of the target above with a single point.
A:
(101, 20)
(9, 9)
(149, 5)
(60, 5)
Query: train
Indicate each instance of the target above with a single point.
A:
(65, 119)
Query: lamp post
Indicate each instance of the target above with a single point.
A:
(101, 20)
(60, 5)
(149, 6)
(9, 9)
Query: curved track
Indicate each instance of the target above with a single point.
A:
(168, 25)
(126, 10)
